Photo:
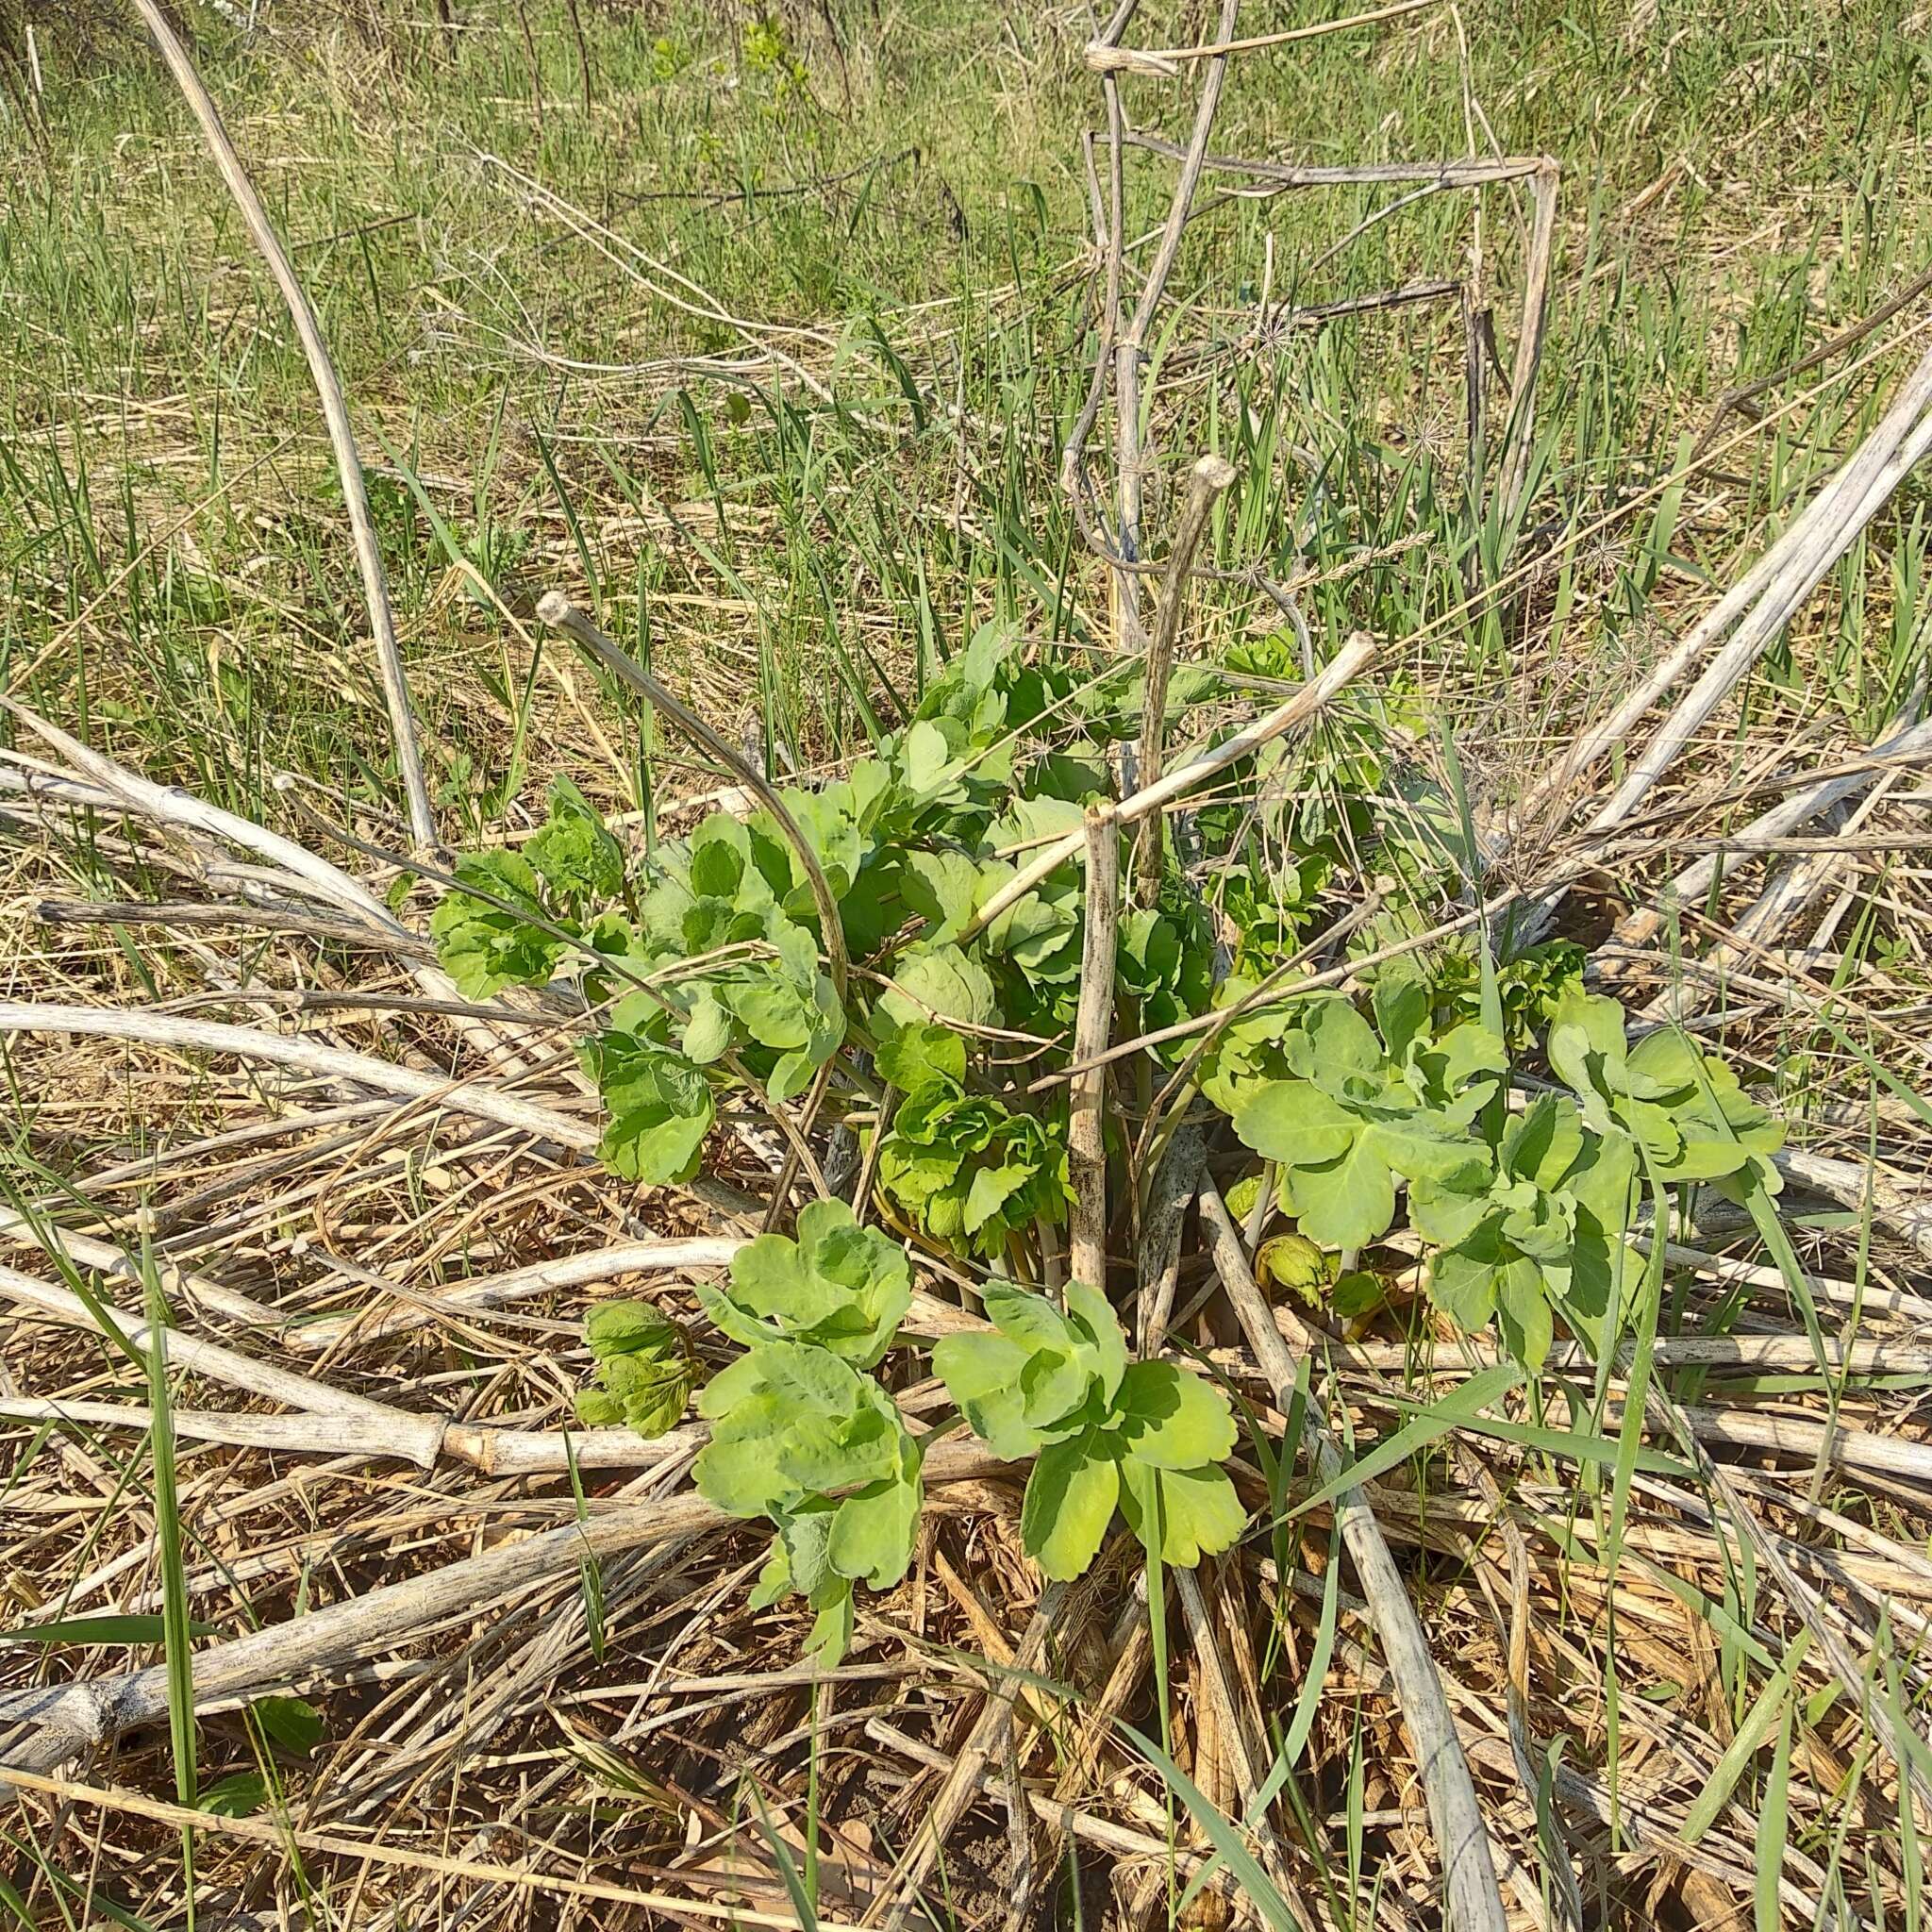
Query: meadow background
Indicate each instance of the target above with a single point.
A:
(760, 332)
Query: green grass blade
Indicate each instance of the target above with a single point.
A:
(1773, 1820)
(1256, 1886)
(123, 1629)
(1430, 1425)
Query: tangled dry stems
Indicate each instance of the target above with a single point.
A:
(542, 1693)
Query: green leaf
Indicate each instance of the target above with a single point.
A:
(573, 852)
(111, 1629)
(1349, 1202)
(234, 1796)
(1422, 1147)
(840, 1287)
(989, 1190)
(292, 1722)
(1029, 1319)
(643, 1363)
(484, 946)
(831, 1632)
(1447, 1212)
(806, 1536)
(932, 983)
(942, 887)
(660, 1106)
(775, 1580)
(1294, 1123)
(874, 1533)
(914, 1058)
(793, 1428)
(1543, 1142)
(1355, 1294)
(1463, 1285)
(923, 758)
(1198, 1511)
(1523, 1309)
(654, 1145)
(742, 1474)
(772, 1011)
(706, 1034)
(1333, 1044)
(1099, 1344)
(982, 1375)
(938, 1143)
(1055, 1390)
(1585, 1050)
(1169, 1419)
(1401, 1007)
(1459, 1074)
(1070, 1501)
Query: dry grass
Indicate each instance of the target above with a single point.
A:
(595, 1730)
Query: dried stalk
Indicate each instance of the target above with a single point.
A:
(416, 1438)
(278, 1837)
(928, 1315)
(1282, 176)
(1207, 482)
(1354, 657)
(334, 409)
(1206, 1644)
(557, 610)
(895, 1899)
(1177, 1179)
(306, 874)
(1771, 591)
(1908, 744)
(1057, 1816)
(1130, 344)
(1164, 62)
(1907, 434)
(1472, 1902)
(489, 1450)
(485, 1102)
(1521, 433)
(1092, 1027)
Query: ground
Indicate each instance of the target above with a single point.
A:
(760, 334)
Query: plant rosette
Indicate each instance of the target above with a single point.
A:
(1543, 1232)
(644, 1366)
(1145, 1437)
(838, 1287)
(1358, 1115)
(803, 1440)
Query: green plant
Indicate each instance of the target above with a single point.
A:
(645, 1367)
(704, 966)
(970, 1173)
(1529, 985)
(1682, 1108)
(838, 1287)
(1543, 1229)
(1146, 1437)
(801, 1438)
(515, 926)
(799, 1434)
(704, 963)
(1356, 1114)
